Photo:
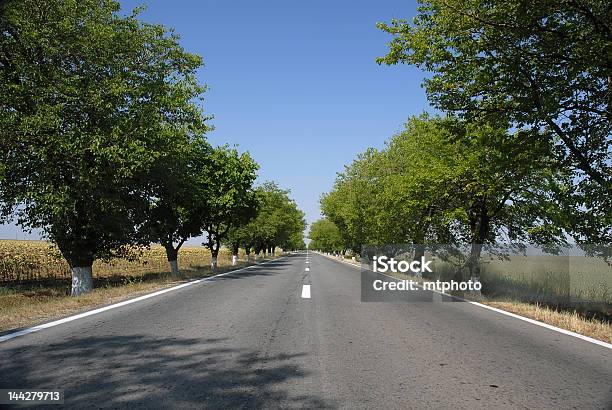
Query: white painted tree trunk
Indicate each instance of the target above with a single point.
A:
(82, 281)
(213, 263)
(234, 260)
(174, 270)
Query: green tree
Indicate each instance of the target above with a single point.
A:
(89, 102)
(353, 204)
(418, 181)
(179, 197)
(447, 181)
(279, 222)
(543, 67)
(230, 199)
(295, 242)
(325, 236)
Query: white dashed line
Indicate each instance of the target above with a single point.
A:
(306, 292)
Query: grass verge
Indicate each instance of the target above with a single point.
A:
(28, 303)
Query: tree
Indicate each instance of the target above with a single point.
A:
(230, 198)
(179, 197)
(239, 236)
(325, 236)
(543, 67)
(448, 181)
(295, 242)
(279, 222)
(420, 170)
(353, 204)
(89, 102)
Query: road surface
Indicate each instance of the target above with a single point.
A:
(253, 339)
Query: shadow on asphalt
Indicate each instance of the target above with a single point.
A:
(269, 268)
(140, 371)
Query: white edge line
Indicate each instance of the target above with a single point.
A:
(506, 313)
(123, 303)
(306, 292)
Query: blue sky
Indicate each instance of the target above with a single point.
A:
(294, 82)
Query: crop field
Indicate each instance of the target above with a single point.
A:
(576, 278)
(33, 260)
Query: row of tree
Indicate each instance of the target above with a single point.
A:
(103, 142)
(524, 152)
(447, 181)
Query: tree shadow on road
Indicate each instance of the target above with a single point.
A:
(140, 371)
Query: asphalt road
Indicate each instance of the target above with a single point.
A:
(250, 340)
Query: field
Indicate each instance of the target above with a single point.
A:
(574, 281)
(38, 260)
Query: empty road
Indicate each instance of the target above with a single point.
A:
(259, 338)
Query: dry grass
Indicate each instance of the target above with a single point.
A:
(571, 321)
(41, 298)
(20, 309)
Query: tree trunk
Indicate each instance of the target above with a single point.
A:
(82, 280)
(172, 255)
(274, 251)
(213, 261)
(479, 227)
(235, 250)
(80, 259)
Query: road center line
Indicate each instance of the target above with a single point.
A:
(306, 292)
(307, 269)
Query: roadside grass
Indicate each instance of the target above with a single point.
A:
(565, 319)
(28, 302)
(585, 310)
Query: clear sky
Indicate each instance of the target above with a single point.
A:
(294, 82)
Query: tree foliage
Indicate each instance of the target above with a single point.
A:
(325, 236)
(448, 181)
(90, 102)
(278, 223)
(541, 67)
(230, 199)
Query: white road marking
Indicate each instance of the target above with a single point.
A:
(519, 317)
(306, 292)
(125, 302)
(307, 269)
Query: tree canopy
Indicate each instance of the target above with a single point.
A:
(90, 101)
(325, 236)
(541, 67)
(443, 180)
